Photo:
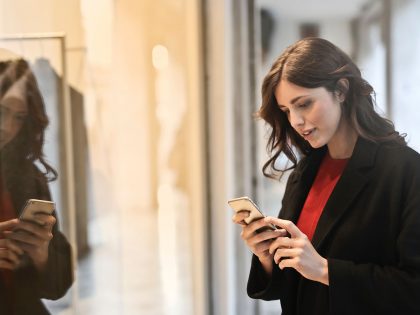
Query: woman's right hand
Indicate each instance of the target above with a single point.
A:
(10, 252)
(258, 236)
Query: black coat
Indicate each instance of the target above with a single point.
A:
(369, 232)
(30, 285)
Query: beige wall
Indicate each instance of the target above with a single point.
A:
(27, 16)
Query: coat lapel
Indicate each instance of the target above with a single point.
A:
(299, 185)
(352, 181)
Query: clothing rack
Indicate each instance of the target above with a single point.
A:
(69, 182)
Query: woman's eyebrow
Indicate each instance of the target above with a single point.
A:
(294, 100)
(6, 108)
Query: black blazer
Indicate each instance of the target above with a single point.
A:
(369, 232)
(29, 285)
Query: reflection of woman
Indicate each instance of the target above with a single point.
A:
(349, 236)
(35, 260)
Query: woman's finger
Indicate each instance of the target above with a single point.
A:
(252, 229)
(282, 242)
(8, 225)
(240, 216)
(23, 237)
(7, 264)
(289, 226)
(10, 244)
(289, 263)
(266, 235)
(262, 251)
(27, 230)
(260, 224)
(286, 253)
(9, 255)
(31, 239)
(47, 219)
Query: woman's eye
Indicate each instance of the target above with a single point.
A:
(20, 118)
(304, 105)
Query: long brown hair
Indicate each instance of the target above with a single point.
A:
(311, 63)
(27, 147)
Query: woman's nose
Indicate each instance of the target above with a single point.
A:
(295, 119)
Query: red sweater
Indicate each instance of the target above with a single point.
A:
(327, 177)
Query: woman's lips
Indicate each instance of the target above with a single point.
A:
(307, 133)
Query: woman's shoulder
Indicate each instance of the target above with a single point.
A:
(33, 177)
(398, 153)
(314, 156)
(399, 161)
(29, 170)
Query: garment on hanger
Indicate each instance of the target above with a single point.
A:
(50, 84)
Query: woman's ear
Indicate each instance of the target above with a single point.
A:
(341, 89)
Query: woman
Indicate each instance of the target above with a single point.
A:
(349, 230)
(35, 260)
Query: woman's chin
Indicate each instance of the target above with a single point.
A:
(316, 144)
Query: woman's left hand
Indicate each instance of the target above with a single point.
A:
(298, 252)
(34, 238)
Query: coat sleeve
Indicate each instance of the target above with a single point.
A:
(386, 289)
(58, 278)
(261, 286)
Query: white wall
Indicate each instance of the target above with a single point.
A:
(406, 69)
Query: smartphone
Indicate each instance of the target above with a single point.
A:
(246, 203)
(36, 206)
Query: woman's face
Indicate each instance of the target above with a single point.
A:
(315, 113)
(13, 113)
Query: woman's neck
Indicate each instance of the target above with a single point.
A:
(341, 146)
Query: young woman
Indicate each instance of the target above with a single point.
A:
(348, 237)
(35, 260)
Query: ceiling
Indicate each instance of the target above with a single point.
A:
(313, 10)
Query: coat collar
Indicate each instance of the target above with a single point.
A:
(352, 181)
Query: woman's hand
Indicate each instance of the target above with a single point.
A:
(258, 236)
(297, 252)
(34, 238)
(10, 252)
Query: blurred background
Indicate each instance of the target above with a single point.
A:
(151, 106)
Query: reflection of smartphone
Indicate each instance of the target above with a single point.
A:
(34, 206)
(245, 203)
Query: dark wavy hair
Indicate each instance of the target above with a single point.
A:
(27, 147)
(312, 63)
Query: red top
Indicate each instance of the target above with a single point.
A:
(7, 212)
(328, 174)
